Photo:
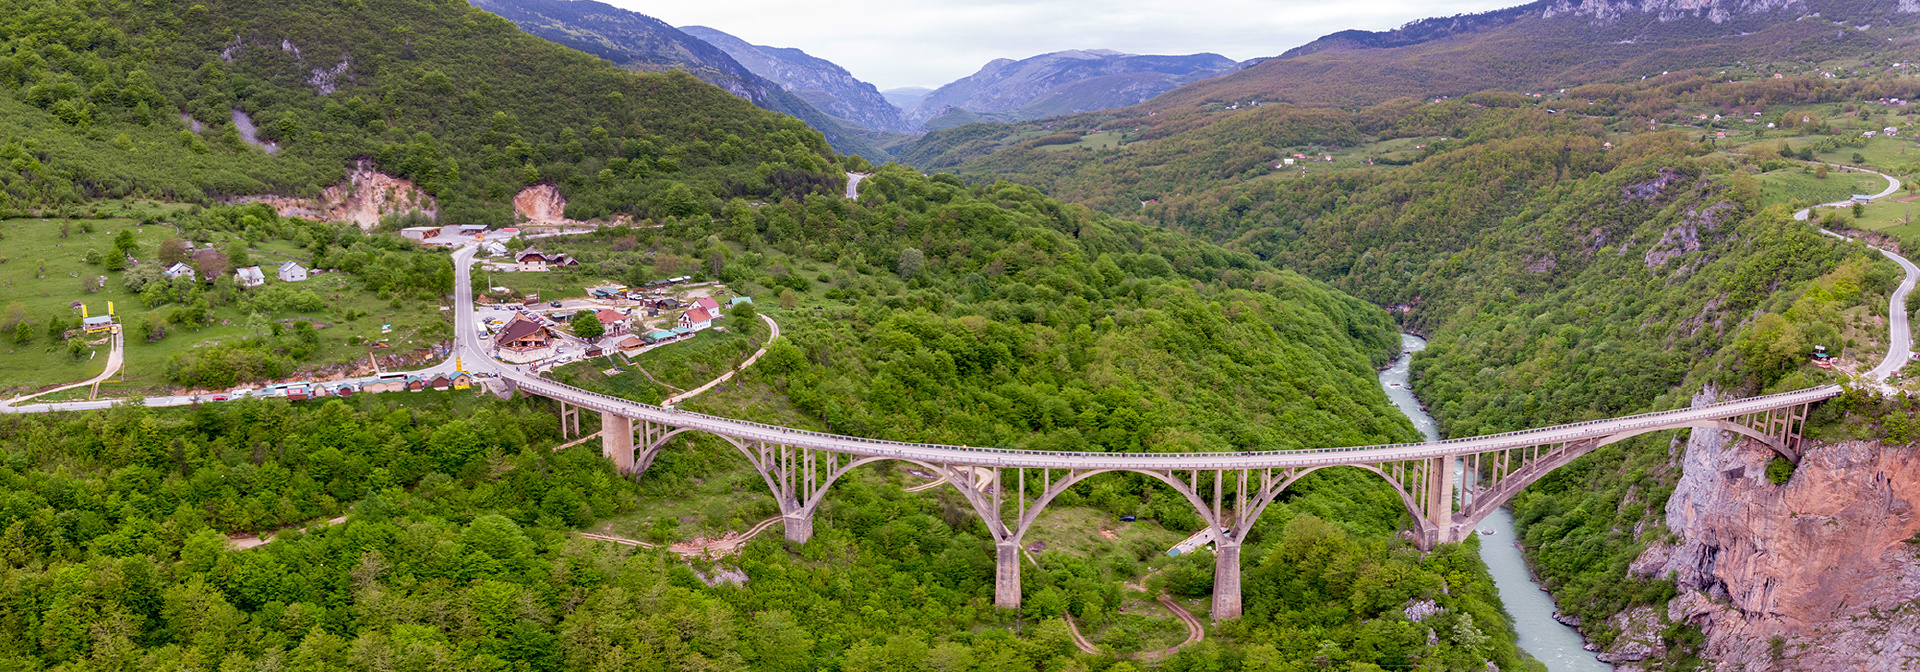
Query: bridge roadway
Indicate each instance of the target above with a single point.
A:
(799, 466)
(1035, 459)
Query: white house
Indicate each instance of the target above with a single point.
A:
(292, 271)
(179, 270)
(696, 319)
(249, 277)
(531, 260)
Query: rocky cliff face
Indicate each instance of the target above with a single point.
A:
(363, 198)
(1717, 11)
(1816, 574)
(541, 204)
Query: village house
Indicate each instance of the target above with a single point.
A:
(250, 276)
(533, 260)
(696, 318)
(530, 260)
(523, 334)
(615, 322)
(179, 269)
(292, 271)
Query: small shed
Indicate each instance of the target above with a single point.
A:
(440, 382)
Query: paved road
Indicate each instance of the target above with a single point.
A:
(1899, 330)
(853, 184)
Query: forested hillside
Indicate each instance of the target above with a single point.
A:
(926, 310)
(640, 42)
(455, 99)
(1565, 266)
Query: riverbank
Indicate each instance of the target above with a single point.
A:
(1557, 645)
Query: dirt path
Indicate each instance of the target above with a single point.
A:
(116, 356)
(710, 548)
(245, 542)
(683, 396)
(1195, 632)
(576, 442)
(1079, 641)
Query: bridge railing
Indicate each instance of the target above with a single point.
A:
(617, 403)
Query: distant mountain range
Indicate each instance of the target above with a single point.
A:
(1064, 82)
(826, 86)
(1005, 90)
(640, 42)
(1556, 43)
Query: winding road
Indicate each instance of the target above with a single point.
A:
(1899, 330)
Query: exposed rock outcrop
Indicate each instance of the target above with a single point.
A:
(1816, 574)
(365, 197)
(541, 204)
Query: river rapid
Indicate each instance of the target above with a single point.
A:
(1557, 645)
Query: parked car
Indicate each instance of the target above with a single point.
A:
(1126, 519)
(555, 304)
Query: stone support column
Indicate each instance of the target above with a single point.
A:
(1006, 575)
(1440, 499)
(1226, 579)
(616, 441)
(798, 525)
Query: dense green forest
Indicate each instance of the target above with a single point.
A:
(933, 311)
(94, 98)
(455, 554)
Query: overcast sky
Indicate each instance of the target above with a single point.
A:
(895, 43)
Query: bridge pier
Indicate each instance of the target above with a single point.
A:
(569, 420)
(1226, 578)
(1006, 574)
(798, 525)
(616, 441)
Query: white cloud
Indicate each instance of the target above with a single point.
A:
(896, 43)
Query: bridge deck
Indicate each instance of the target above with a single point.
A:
(997, 457)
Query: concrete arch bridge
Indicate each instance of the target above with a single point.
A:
(1448, 486)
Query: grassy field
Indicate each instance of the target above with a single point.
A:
(1107, 140)
(42, 274)
(1082, 531)
(1790, 184)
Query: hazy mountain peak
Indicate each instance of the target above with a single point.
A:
(1075, 80)
(820, 82)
